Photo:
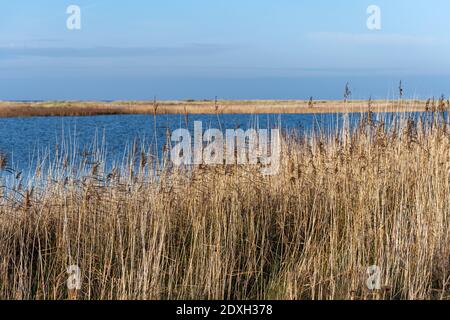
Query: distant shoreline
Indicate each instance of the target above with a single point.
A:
(10, 109)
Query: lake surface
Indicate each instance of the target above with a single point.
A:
(23, 140)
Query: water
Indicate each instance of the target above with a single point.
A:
(23, 140)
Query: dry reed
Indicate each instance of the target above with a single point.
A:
(82, 108)
(377, 194)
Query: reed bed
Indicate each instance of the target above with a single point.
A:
(87, 108)
(375, 194)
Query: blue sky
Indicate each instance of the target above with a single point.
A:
(234, 49)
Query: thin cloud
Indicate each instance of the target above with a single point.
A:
(110, 52)
(374, 39)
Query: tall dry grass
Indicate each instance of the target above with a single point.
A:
(378, 194)
(86, 108)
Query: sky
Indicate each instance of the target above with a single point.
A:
(233, 49)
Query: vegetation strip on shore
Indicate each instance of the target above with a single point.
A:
(91, 108)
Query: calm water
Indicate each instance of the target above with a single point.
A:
(23, 140)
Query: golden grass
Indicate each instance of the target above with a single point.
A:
(375, 195)
(74, 108)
